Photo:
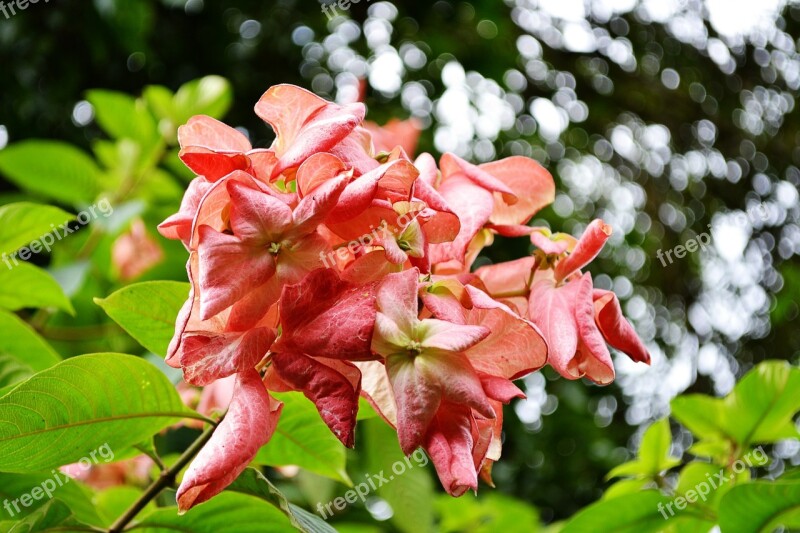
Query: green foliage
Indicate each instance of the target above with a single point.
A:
(23, 222)
(68, 411)
(409, 487)
(254, 483)
(55, 170)
(303, 439)
(760, 410)
(227, 513)
(28, 286)
(147, 311)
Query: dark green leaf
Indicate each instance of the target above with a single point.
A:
(147, 311)
(252, 482)
(82, 404)
(53, 169)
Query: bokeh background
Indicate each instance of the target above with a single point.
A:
(667, 118)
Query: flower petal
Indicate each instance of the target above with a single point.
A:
(248, 425)
(587, 248)
(617, 331)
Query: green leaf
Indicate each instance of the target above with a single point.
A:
(760, 408)
(77, 497)
(124, 117)
(211, 95)
(227, 512)
(113, 502)
(20, 340)
(28, 286)
(53, 169)
(52, 516)
(409, 487)
(24, 222)
(653, 457)
(303, 439)
(489, 513)
(761, 507)
(252, 482)
(642, 512)
(66, 412)
(147, 311)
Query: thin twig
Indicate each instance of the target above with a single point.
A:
(166, 479)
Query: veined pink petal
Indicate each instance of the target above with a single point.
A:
(370, 267)
(214, 207)
(179, 225)
(532, 185)
(515, 347)
(457, 380)
(315, 207)
(248, 425)
(443, 224)
(396, 132)
(356, 151)
(500, 389)
(548, 246)
(388, 338)
(206, 132)
(257, 216)
(417, 400)
(473, 205)
(316, 170)
(229, 270)
(589, 245)
(428, 171)
(616, 330)
(304, 123)
(377, 389)
(446, 336)
(334, 387)
(397, 299)
(552, 310)
(510, 278)
(207, 358)
(453, 165)
(450, 445)
(594, 360)
(324, 316)
(212, 165)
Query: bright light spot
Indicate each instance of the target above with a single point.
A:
(741, 17)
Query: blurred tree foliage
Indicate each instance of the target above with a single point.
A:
(657, 122)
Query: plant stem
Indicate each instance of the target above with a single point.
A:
(166, 479)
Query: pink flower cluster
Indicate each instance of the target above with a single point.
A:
(399, 318)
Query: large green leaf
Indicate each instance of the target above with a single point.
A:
(225, 513)
(77, 497)
(211, 95)
(20, 340)
(653, 456)
(252, 482)
(66, 412)
(761, 507)
(489, 513)
(408, 488)
(55, 515)
(147, 311)
(303, 439)
(53, 169)
(642, 512)
(28, 286)
(123, 117)
(760, 408)
(24, 222)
